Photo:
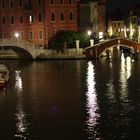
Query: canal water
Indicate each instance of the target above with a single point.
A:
(71, 100)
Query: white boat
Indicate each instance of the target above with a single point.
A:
(4, 75)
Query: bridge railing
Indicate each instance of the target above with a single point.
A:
(19, 42)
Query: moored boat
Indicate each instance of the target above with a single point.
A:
(4, 75)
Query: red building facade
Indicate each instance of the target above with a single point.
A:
(36, 20)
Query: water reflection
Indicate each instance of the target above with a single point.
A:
(18, 84)
(21, 121)
(92, 105)
(125, 73)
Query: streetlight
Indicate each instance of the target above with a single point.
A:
(89, 32)
(17, 35)
(91, 40)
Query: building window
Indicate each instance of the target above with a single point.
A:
(21, 18)
(61, 1)
(71, 16)
(20, 3)
(52, 16)
(31, 35)
(4, 35)
(3, 20)
(118, 23)
(12, 20)
(62, 16)
(30, 6)
(30, 19)
(3, 5)
(39, 2)
(70, 1)
(52, 1)
(40, 35)
(22, 35)
(11, 4)
(39, 17)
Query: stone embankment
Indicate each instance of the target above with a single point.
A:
(45, 54)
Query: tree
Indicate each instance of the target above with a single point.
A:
(66, 39)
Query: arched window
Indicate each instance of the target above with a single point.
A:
(40, 35)
(20, 3)
(70, 1)
(3, 20)
(39, 2)
(31, 35)
(52, 1)
(62, 16)
(61, 1)
(11, 4)
(39, 17)
(3, 5)
(12, 20)
(71, 16)
(21, 18)
(52, 16)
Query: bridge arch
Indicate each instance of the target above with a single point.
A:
(96, 50)
(21, 46)
(113, 46)
(19, 51)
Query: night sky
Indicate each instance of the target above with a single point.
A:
(112, 5)
(123, 4)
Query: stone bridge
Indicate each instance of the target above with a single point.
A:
(96, 50)
(20, 45)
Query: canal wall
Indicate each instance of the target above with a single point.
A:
(46, 54)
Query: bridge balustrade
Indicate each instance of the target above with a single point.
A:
(96, 50)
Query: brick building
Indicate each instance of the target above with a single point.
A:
(36, 20)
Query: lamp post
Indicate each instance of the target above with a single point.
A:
(16, 35)
(89, 33)
(91, 40)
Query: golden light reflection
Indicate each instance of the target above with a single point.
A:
(125, 74)
(110, 91)
(92, 105)
(20, 116)
(18, 84)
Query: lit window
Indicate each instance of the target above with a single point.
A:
(30, 19)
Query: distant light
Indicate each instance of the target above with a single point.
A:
(127, 29)
(89, 32)
(101, 35)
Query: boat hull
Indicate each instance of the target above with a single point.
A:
(2, 84)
